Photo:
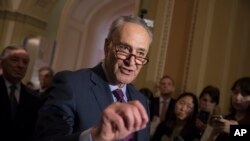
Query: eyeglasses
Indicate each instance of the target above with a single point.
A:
(123, 52)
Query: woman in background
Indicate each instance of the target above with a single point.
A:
(240, 113)
(208, 106)
(180, 123)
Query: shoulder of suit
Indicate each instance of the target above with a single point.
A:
(68, 72)
(29, 92)
(73, 74)
(131, 87)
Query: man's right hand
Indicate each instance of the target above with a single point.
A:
(120, 120)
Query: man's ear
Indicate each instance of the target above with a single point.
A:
(106, 45)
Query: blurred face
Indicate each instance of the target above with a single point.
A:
(166, 87)
(206, 103)
(131, 39)
(240, 101)
(15, 65)
(45, 79)
(184, 107)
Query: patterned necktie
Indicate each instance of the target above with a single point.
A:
(13, 101)
(119, 97)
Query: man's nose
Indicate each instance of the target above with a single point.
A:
(21, 63)
(131, 60)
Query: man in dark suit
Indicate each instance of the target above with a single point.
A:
(18, 105)
(83, 104)
(45, 76)
(161, 106)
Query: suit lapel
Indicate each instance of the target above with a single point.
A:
(4, 101)
(103, 95)
(4, 92)
(131, 93)
(100, 87)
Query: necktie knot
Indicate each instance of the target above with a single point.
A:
(119, 95)
(12, 88)
(120, 98)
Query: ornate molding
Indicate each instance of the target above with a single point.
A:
(19, 17)
(190, 45)
(168, 13)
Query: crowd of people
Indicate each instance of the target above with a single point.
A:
(192, 118)
(101, 104)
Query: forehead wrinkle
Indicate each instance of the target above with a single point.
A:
(17, 52)
(137, 48)
(128, 30)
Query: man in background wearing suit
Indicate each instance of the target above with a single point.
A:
(164, 104)
(45, 76)
(18, 105)
(100, 104)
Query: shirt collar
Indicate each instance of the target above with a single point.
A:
(114, 87)
(8, 84)
(162, 100)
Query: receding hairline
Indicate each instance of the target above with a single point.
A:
(167, 77)
(128, 19)
(6, 50)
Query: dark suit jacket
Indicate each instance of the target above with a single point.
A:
(188, 133)
(155, 107)
(24, 124)
(76, 104)
(44, 95)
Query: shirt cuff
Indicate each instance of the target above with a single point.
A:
(86, 135)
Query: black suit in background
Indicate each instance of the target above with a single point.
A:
(23, 127)
(76, 104)
(155, 107)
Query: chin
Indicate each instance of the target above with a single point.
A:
(125, 80)
(181, 118)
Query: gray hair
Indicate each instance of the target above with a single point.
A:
(6, 50)
(132, 19)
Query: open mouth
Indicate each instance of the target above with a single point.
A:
(125, 71)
